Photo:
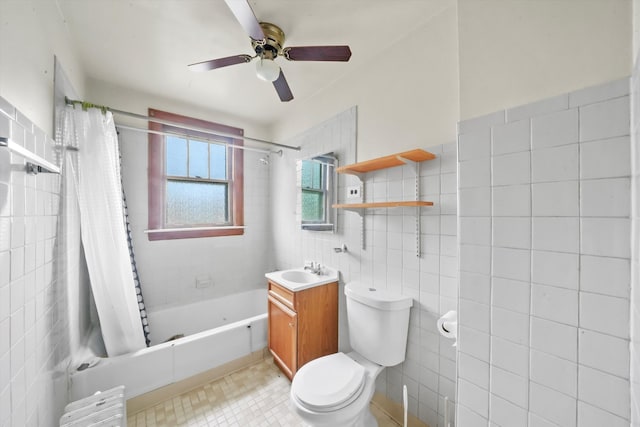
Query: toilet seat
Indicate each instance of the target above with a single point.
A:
(329, 383)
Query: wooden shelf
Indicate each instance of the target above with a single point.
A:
(410, 158)
(390, 161)
(382, 205)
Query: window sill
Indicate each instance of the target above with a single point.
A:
(317, 227)
(192, 233)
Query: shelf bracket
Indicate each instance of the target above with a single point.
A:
(363, 244)
(415, 167)
(360, 212)
(418, 212)
(362, 233)
(409, 163)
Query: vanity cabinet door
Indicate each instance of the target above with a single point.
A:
(283, 336)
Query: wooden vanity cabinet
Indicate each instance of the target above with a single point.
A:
(303, 325)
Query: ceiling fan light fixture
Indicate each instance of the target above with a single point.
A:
(267, 69)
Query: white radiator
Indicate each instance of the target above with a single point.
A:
(103, 409)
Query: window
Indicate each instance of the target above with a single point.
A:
(195, 182)
(316, 183)
(313, 191)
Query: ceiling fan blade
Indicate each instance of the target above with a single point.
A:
(219, 63)
(282, 87)
(317, 53)
(247, 19)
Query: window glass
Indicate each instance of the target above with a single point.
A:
(196, 203)
(218, 161)
(198, 159)
(312, 192)
(312, 205)
(176, 156)
(311, 174)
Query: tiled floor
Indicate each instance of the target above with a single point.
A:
(255, 396)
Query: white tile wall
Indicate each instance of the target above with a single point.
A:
(388, 259)
(635, 245)
(173, 281)
(511, 137)
(34, 340)
(557, 263)
(554, 129)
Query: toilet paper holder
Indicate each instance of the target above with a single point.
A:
(448, 326)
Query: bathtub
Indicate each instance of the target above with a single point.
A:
(216, 332)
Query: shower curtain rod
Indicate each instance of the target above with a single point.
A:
(226, 144)
(85, 105)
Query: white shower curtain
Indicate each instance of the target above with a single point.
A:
(102, 227)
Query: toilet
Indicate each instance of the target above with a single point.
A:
(336, 390)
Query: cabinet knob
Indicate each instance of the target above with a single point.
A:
(291, 324)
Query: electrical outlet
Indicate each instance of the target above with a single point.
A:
(353, 192)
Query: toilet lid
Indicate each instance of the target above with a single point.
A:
(329, 382)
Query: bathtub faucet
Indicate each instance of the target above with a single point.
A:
(313, 267)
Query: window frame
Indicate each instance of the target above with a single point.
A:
(323, 190)
(157, 177)
(328, 179)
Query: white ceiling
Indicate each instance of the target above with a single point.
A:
(147, 44)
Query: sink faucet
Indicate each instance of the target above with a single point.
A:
(314, 267)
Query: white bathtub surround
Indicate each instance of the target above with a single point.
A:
(388, 260)
(35, 340)
(192, 270)
(216, 332)
(544, 235)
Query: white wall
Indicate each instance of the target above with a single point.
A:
(336, 135)
(132, 100)
(635, 226)
(410, 99)
(388, 260)
(471, 59)
(32, 32)
(519, 51)
(168, 269)
(36, 342)
(636, 29)
(544, 240)
(407, 98)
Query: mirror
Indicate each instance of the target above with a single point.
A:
(318, 188)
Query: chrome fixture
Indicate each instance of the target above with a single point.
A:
(313, 267)
(266, 159)
(34, 164)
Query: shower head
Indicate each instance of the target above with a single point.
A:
(266, 159)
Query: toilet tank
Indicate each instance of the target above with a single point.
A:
(378, 323)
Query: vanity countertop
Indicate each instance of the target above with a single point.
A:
(298, 279)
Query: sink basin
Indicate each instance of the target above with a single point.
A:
(298, 276)
(297, 279)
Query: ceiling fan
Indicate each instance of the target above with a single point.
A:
(267, 41)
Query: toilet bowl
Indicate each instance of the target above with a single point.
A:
(336, 390)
